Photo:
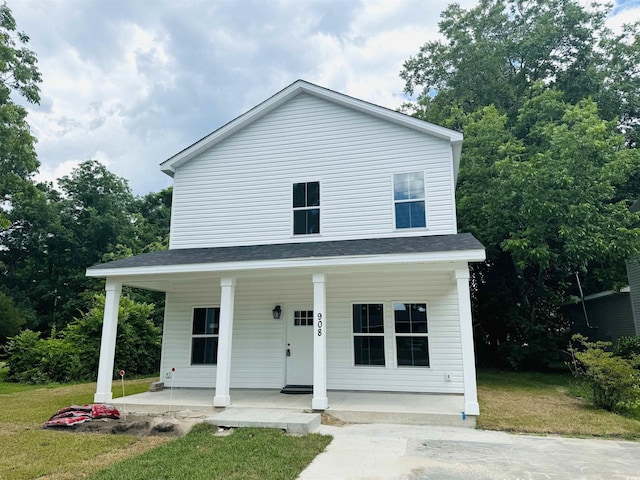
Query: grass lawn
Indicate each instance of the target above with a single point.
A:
(543, 403)
(30, 452)
(248, 453)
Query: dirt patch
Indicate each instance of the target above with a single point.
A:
(142, 425)
(327, 419)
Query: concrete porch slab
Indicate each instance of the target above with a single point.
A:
(348, 406)
(290, 420)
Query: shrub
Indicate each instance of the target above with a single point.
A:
(75, 355)
(138, 340)
(627, 347)
(613, 379)
(32, 359)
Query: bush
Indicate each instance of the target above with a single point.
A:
(75, 355)
(138, 340)
(36, 360)
(613, 379)
(627, 347)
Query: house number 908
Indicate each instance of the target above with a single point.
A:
(319, 324)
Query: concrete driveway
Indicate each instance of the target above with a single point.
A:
(405, 452)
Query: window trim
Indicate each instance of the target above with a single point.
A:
(305, 208)
(202, 335)
(426, 335)
(383, 335)
(394, 202)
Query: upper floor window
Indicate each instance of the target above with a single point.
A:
(306, 208)
(204, 336)
(408, 199)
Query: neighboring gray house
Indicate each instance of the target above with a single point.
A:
(633, 273)
(610, 315)
(313, 242)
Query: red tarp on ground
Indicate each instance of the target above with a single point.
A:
(68, 416)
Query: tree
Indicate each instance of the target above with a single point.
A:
(494, 53)
(548, 103)
(18, 74)
(55, 236)
(11, 319)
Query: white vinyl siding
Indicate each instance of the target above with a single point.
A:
(258, 352)
(239, 191)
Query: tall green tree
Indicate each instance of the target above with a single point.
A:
(494, 53)
(547, 98)
(56, 235)
(19, 75)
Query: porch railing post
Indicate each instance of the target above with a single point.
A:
(225, 333)
(113, 289)
(319, 401)
(471, 406)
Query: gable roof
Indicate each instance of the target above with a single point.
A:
(296, 88)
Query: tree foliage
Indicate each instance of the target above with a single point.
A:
(547, 172)
(19, 74)
(11, 319)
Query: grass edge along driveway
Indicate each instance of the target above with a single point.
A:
(547, 403)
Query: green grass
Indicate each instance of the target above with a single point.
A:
(249, 453)
(28, 451)
(545, 403)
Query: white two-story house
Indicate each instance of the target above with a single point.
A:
(313, 242)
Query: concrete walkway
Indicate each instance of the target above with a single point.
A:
(406, 452)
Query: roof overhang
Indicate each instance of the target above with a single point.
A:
(222, 267)
(170, 165)
(345, 253)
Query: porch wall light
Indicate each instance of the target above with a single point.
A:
(277, 311)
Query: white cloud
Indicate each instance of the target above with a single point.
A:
(132, 83)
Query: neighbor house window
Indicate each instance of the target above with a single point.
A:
(306, 208)
(408, 200)
(412, 341)
(204, 336)
(368, 334)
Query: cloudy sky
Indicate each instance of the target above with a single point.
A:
(131, 82)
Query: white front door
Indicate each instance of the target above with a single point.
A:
(300, 347)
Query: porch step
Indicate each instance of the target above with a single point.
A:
(292, 421)
(297, 389)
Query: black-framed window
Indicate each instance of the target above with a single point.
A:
(409, 200)
(412, 334)
(303, 318)
(204, 335)
(368, 334)
(306, 208)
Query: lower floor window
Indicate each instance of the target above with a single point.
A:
(368, 334)
(412, 351)
(411, 329)
(204, 336)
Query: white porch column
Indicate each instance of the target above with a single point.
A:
(225, 333)
(319, 401)
(113, 290)
(471, 406)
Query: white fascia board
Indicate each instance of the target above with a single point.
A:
(300, 86)
(432, 257)
(607, 293)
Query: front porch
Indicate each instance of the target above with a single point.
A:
(348, 406)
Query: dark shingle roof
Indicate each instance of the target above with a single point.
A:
(340, 248)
